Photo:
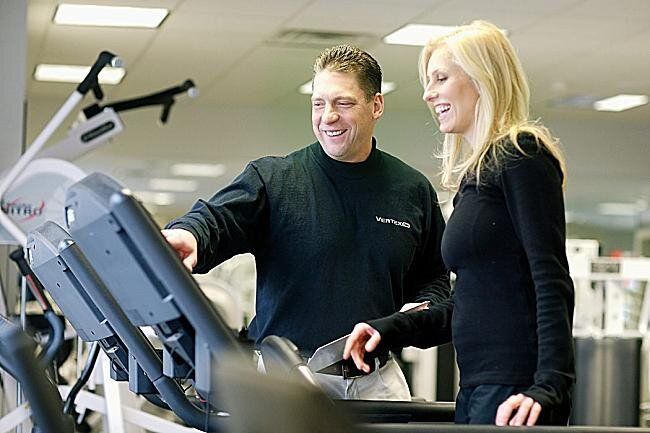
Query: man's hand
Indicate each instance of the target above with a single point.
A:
(364, 338)
(527, 413)
(184, 243)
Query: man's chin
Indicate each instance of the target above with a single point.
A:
(335, 151)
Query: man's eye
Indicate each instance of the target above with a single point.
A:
(317, 104)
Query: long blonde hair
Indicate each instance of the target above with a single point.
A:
(484, 53)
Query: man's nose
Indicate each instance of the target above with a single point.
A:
(330, 115)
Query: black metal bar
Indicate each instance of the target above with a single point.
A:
(91, 80)
(164, 97)
(68, 405)
(43, 397)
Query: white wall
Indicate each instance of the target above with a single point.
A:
(607, 159)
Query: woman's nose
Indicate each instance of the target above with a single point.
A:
(429, 95)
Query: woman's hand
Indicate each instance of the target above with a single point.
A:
(528, 411)
(364, 338)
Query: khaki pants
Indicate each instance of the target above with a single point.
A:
(385, 383)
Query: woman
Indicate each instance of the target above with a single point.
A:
(511, 311)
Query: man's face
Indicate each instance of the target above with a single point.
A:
(342, 119)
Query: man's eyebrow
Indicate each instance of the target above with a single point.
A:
(336, 98)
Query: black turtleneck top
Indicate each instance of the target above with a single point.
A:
(335, 243)
(511, 311)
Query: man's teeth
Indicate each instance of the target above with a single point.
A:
(333, 133)
(442, 108)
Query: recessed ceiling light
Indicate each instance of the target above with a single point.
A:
(622, 209)
(574, 101)
(75, 74)
(305, 89)
(420, 34)
(112, 16)
(417, 34)
(620, 102)
(386, 87)
(157, 198)
(198, 170)
(178, 185)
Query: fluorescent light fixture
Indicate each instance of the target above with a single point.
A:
(575, 101)
(622, 209)
(75, 74)
(305, 89)
(112, 16)
(198, 170)
(420, 34)
(177, 185)
(154, 197)
(386, 87)
(417, 34)
(620, 102)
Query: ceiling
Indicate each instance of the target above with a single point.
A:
(248, 76)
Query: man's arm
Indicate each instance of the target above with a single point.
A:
(227, 224)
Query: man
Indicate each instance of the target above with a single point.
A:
(341, 231)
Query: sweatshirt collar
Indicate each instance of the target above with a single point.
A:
(348, 169)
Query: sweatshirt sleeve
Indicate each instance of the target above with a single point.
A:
(428, 279)
(533, 193)
(423, 329)
(230, 222)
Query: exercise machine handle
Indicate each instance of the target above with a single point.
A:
(44, 400)
(91, 81)
(164, 97)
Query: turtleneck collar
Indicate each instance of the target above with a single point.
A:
(348, 169)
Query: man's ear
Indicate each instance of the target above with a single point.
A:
(378, 106)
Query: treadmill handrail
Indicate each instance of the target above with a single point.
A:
(44, 399)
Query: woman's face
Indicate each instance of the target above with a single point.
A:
(451, 95)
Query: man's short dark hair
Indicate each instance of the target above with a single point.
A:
(349, 59)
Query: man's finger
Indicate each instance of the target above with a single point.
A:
(189, 262)
(168, 234)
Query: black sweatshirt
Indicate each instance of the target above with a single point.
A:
(511, 310)
(334, 243)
